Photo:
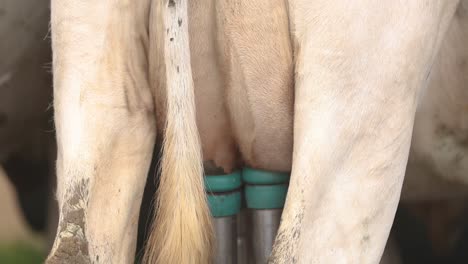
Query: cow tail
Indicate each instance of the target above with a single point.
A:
(182, 231)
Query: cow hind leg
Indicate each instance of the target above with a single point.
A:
(105, 127)
(359, 68)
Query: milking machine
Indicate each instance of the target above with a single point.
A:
(265, 194)
(224, 198)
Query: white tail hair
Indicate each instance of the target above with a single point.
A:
(182, 231)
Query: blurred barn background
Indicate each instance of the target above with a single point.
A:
(425, 232)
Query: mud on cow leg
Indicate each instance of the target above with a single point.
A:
(105, 125)
(73, 247)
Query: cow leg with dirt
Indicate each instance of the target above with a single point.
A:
(359, 70)
(105, 124)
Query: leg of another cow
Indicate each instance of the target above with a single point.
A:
(359, 69)
(105, 127)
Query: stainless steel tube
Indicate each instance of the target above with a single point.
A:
(265, 224)
(226, 237)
